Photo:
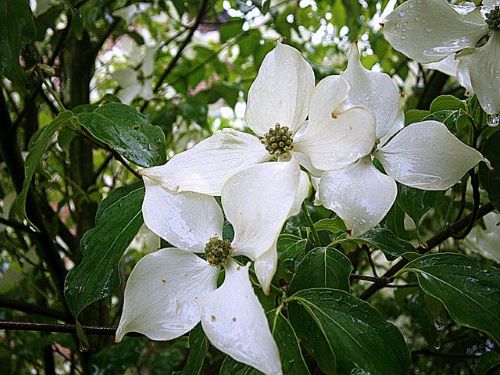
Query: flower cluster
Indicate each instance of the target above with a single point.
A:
(431, 30)
(329, 133)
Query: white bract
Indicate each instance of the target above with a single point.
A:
(137, 82)
(423, 155)
(281, 97)
(485, 240)
(430, 30)
(171, 290)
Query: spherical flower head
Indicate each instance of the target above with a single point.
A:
(493, 18)
(217, 251)
(278, 140)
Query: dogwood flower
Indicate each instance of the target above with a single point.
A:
(431, 30)
(423, 155)
(281, 97)
(171, 290)
(136, 82)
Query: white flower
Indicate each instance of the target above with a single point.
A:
(485, 241)
(279, 100)
(430, 30)
(171, 290)
(454, 68)
(423, 155)
(137, 82)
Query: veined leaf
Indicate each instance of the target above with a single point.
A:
(322, 268)
(359, 337)
(37, 147)
(128, 132)
(97, 275)
(470, 294)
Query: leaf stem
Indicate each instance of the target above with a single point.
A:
(310, 223)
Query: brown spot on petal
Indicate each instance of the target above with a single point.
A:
(163, 280)
(213, 318)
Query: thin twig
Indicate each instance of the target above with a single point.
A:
(180, 51)
(63, 328)
(30, 308)
(16, 225)
(431, 243)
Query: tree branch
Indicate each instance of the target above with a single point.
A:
(431, 243)
(180, 51)
(30, 308)
(63, 328)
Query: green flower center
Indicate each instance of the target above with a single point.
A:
(217, 251)
(493, 18)
(278, 140)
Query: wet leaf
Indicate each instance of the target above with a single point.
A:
(471, 295)
(97, 276)
(362, 341)
(128, 132)
(322, 268)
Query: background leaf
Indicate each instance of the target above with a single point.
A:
(490, 179)
(415, 202)
(470, 294)
(102, 247)
(18, 29)
(37, 147)
(128, 132)
(198, 346)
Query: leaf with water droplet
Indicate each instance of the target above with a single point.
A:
(128, 132)
(357, 337)
(97, 276)
(470, 295)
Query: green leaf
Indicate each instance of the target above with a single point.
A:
(415, 202)
(292, 361)
(330, 225)
(322, 268)
(446, 102)
(470, 294)
(488, 362)
(18, 29)
(128, 132)
(37, 147)
(490, 179)
(289, 248)
(447, 117)
(415, 115)
(394, 220)
(232, 367)
(391, 245)
(230, 29)
(361, 340)
(102, 247)
(198, 346)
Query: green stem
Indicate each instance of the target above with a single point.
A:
(310, 223)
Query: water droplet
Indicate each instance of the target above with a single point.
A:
(403, 37)
(83, 348)
(494, 120)
(439, 324)
(428, 30)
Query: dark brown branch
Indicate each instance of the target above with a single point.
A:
(431, 243)
(16, 225)
(63, 328)
(30, 308)
(180, 51)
